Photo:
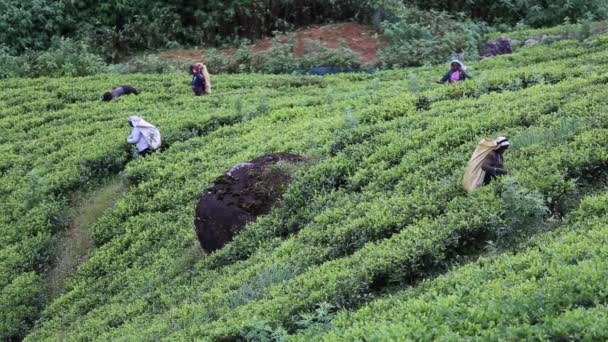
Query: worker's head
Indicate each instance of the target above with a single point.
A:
(106, 97)
(134, 120)
(456, 66)
(196, 68)
(502, 144)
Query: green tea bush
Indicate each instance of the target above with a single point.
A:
(20, 301)
(523, 209)
(379, 208)
(255, 290)
(491, 298)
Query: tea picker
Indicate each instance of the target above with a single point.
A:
(201, 81)
(486, 163)
(457, 73)
(118, 92)
(144, 135)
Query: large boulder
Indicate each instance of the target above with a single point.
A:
(239, 196)
(500, 46)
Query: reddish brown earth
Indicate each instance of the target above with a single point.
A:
(362, 39)
(359, 38)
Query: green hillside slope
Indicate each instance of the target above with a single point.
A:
(363, 230)
(553, 290)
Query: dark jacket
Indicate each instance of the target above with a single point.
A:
(493, 166)
(198, 81)
(448, 77)
(118, 92)
(129, 90)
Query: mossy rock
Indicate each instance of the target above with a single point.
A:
(239, 196)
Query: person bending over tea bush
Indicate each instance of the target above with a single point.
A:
(486, 163)
(119, 91)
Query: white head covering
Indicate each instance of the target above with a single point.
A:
(139, 122)
(501, 142)
(462, 66)
(150, 133)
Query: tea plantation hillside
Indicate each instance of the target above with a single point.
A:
(375, 239)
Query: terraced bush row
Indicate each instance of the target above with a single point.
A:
(552, 290)
(416, 248)
(223, 285)
(380, 199)
(50, 154)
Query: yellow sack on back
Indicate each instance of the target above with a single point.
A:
(203, 68)
(207, 79)
(474, 175)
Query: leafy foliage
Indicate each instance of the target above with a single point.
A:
(67, 58)
(536, 13)
(552, 290)
(115, 29)
(429, 37)
(379, 208)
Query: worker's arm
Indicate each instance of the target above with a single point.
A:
(134, 137)
(466, 76)
(490, 167)
(498, 171)
(445, 78)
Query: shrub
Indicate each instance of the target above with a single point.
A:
(428, 37)
(318, 321)
(220, 62)
(31, 24)
(257, 287)
(21, 300)
(149, 64)
(11, 65)
(264, 332)
(522, 209)
(67, 57)
(584, 29)
(280, 58)
(536, 13)
(316, 55)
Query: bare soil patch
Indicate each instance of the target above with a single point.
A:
(363, 40)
